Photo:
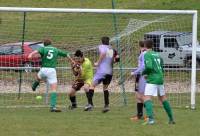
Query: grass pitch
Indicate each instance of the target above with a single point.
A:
(40, 122)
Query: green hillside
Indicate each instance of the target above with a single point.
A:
(64, 28)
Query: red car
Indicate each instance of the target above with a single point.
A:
(14, 55)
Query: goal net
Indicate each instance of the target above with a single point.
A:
(22, 30)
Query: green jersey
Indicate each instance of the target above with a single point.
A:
(87, 69)
(49, 55)
(153, 68)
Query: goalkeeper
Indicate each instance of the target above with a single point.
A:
(49, 55)
(83, 72)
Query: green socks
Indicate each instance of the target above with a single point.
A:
(149, 108)
(35, 85)
(53, 99)
(166, 105)
(168, 109)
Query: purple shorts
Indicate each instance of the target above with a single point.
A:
(141, 85)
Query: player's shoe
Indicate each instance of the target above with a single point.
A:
(105, 109)
(88, 107)
(149, 122)
(135, 118)
(171, 122)
(35, 85)
(72, 107)
(145, 118)
(55, 110)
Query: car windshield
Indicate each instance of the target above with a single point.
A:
(16, 49)
(10, 49)
(5, 50)
(36, 46)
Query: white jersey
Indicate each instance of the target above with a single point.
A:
(106, 65)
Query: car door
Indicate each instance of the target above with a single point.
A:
(16, 58)
(171, 53)
(5, 52)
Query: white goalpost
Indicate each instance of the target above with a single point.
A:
(174, 33)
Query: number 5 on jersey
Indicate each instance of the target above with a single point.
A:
(50, 54)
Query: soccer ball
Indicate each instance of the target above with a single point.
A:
(38, 97)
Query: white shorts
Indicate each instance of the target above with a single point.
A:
(154, 90)
(48, 74)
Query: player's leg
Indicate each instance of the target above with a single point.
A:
(53, 98)
(37, 80)
(166, 104)
(51, 78)
(96, 81)
(106, 82)
(72, 94)
(72, 98)
(136, 117)
(106, 99)
(89, 95)
(139, 91)
(139, 105)
(149, 109)
(89, 92)
(150, 90)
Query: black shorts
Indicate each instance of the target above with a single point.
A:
(77, 84)
(105, 79)
(137, 78)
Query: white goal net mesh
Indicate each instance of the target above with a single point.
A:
(70, 31)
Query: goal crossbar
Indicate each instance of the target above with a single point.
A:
(111, 11)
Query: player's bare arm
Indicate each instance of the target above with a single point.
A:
(71, 60)
(30, 56)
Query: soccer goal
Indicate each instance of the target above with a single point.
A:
(174, 33)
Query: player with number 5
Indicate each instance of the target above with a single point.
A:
(154, 74)
(49, 56)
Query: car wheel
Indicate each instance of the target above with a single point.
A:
(188, 63)
(198, 63)
(28, 67)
